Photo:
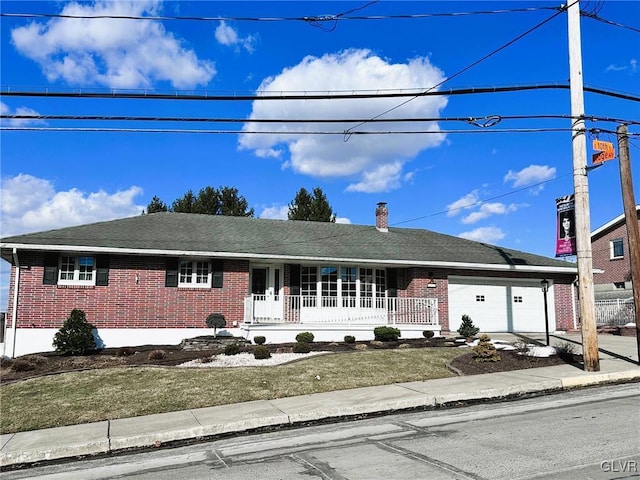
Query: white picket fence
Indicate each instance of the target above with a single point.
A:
(615, 312)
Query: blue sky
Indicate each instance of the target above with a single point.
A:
(486, 185)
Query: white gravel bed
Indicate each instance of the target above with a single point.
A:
(246, 359)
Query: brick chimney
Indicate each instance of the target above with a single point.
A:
(382, 217)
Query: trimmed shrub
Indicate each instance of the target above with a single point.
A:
(6, 362)
(232, 349)
(428, 334)
(566, 351)
(467, 328)
(386, 334)
(261, 353)
(20, 365)
(259, 340)
(207, 359)
(305, 337)
(349, 339)
(215, 321)
(157, 354)
(485, 351)
(124, 352)
(75, 337)
(301, 347)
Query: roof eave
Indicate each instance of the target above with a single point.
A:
(570, 269)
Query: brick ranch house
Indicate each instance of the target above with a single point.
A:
(153, 279)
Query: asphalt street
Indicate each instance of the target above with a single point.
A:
(587, 434)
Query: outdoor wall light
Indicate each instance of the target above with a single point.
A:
(545, 285)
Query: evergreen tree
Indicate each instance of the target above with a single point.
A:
(75, 337)
(207, 201)
(311, 207)
(232, 204)
(156, 205)
(184, 204)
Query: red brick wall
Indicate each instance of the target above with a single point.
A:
(615, 270)
(125, 302)
(414, 285)
(563, 299)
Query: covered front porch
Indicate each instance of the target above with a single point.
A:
(269, 309)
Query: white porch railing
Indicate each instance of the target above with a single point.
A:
(344, 311)
(615, 312)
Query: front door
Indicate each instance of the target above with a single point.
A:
(266, 290)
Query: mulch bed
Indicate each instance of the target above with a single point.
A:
(48, 363)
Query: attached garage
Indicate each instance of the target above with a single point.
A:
(499, 304)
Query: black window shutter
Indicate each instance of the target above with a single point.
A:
(102, 270)
(392, 282)
(171, 274)
(217, 273)
(294, 279)
(50, 269)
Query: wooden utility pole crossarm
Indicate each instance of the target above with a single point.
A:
(631, 219)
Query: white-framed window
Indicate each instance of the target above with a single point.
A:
(194, 273)
(479, 298)
(617, 248)
(77, 270)
(348, 277)
(517, 299)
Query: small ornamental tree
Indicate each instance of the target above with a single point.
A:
(215, 321)
(467, 328)
(485, 351)
(75, 337)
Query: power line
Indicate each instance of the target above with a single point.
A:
(309, 19)
(473, 64)
(280, 132)
(484, 121)
(312, 95)
(480, 202)
(609, 22)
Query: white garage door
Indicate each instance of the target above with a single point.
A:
(499, 305)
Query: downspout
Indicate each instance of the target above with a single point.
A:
(14, 310)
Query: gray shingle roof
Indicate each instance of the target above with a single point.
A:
(242, 237)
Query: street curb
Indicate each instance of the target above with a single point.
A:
(102, 438)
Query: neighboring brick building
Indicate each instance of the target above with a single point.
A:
(610, 249)
(153, 279)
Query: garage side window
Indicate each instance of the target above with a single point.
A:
(479, 298)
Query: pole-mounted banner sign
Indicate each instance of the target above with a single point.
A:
(566, 230)
(605, 151)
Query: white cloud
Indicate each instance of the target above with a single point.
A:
(632, 67)
(343, 220)
(487, 210)
(118, 53)
(20, 122)
(32, 204)
(484, 234)
(384, 178)
(228, 36)
(470, 200)
(276, 212)
(367, 156)
(530, 175)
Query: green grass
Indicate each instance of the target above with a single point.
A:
(107, 394)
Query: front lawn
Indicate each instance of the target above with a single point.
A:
(110, 393)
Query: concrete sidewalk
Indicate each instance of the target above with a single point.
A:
(618, 363)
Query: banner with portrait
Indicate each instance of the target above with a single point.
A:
(566, 226)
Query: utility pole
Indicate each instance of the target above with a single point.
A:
(631, 219)
(581, 194)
